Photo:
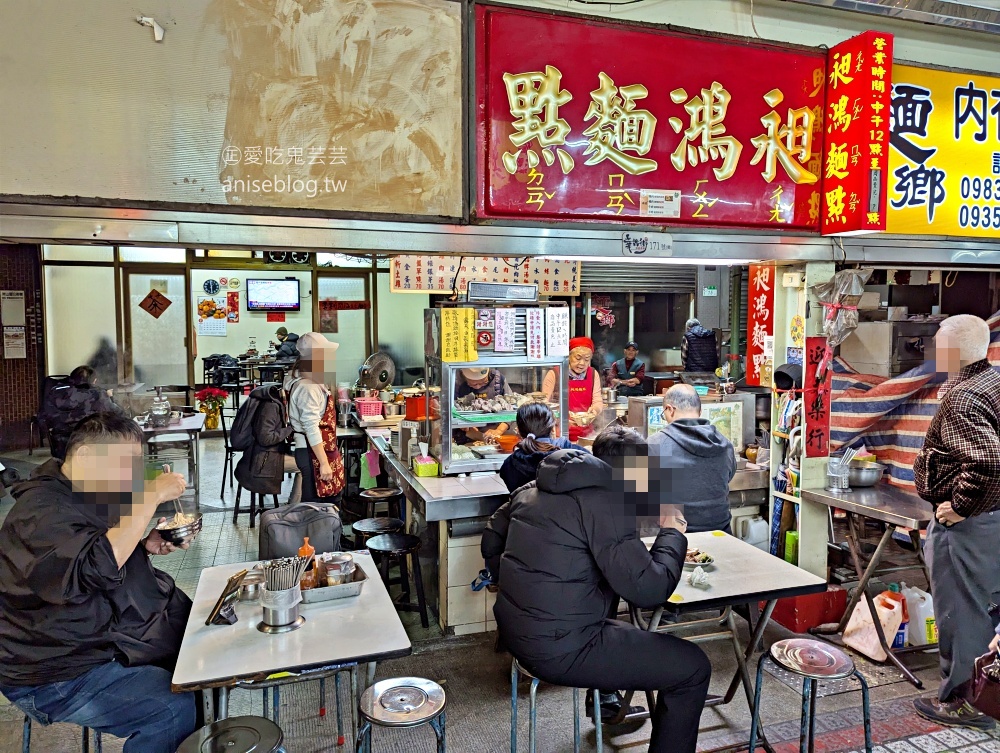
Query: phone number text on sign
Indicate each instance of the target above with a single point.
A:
(980, 206)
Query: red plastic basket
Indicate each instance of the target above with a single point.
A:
(368, 407)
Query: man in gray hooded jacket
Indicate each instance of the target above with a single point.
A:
(698, 462)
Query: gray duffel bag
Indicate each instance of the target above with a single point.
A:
(282, 530)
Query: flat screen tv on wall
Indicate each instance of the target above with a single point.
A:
(273, 295)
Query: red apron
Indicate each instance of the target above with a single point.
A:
(328, 429)
(581, 397)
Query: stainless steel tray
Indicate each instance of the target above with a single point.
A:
(343, 591)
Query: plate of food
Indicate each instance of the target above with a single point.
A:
(697, 558)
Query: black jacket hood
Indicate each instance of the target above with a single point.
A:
(47, 476)
(698, 437)
(699, 331)
(568, 470)
(291, 338)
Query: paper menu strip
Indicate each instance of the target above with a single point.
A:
(557, 330)
(536, 335)
(458, 335)
(504, 334)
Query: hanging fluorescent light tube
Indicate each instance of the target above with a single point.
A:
(687, 261)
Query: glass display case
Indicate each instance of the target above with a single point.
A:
(472, 427)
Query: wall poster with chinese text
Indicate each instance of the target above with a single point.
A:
(591, 119)
(760, 325)
(944, 156)
(437, 274)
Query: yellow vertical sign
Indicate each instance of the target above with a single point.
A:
(944, 155)
(458, 335)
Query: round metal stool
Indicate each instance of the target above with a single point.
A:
(813, 661)
(238, 734)
(368, 527)
(399, 546)
(401, 702)
(392, 496)
(517, 669)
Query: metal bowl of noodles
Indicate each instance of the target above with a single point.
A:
(864, 473)
(180, 529)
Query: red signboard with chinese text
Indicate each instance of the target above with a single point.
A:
(593, 120)
(856, 148)
(760, 325)
(816, 398)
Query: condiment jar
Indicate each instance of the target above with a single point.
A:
(308, 579)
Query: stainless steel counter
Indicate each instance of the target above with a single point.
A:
(454, 497)
(443, 497)
(883, 502)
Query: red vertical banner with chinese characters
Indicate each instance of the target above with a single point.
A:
(760, 325)
(856, 147)
(587, 119)
(816, 399)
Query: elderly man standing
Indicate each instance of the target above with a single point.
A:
(958, 471)
(698, 461)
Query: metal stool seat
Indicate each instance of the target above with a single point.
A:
(402, 702)
(237, 734)
(399, 547)
(516, 669)
(368, 527)
(85, 744)
(392, 496)
(813, 661)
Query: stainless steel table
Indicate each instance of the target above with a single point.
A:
(191, 427)
(336, 635)
(741, 574)
(894, 507)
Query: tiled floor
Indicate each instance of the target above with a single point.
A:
(223, 542)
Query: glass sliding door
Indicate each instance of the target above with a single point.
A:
(156, 326)
(344, 308)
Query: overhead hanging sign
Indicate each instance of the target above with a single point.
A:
(856, 151)
(442, 274)
(944, 160)
(587, 119)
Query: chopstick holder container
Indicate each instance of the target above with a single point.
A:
(281, 610)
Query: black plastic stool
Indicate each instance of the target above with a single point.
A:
(237, 734)
(369, 527)
(399, 546)
(257, 505)
(392, 496)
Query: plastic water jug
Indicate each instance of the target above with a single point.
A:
(923, 626)
(755, 532)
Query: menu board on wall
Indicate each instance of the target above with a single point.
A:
(440, 274)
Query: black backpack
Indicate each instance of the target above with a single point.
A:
(241, 436)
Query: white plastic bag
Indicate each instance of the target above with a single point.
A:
(860, 633)
(281, 599)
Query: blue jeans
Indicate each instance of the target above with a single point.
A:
(129, 702)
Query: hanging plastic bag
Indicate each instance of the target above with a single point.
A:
(860, 633)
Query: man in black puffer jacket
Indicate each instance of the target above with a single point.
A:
(568, 547)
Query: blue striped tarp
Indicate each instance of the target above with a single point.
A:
(891, 416)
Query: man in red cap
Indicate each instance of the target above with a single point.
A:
(585, 400)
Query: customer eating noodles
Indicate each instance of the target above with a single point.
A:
(89, 628)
